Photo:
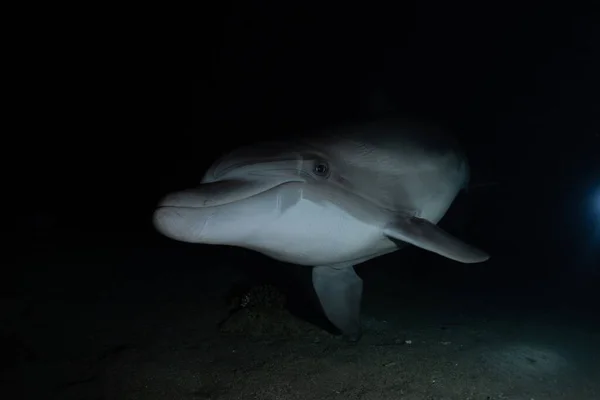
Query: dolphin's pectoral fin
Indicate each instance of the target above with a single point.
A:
(340, 291)
(426, 235)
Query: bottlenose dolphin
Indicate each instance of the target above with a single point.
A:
(330, 200)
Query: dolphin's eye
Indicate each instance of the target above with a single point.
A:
(321, 169)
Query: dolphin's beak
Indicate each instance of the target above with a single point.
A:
(185, 224)
(236, 182)
(218, 193)
(215, 212)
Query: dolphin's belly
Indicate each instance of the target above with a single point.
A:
(312, 233)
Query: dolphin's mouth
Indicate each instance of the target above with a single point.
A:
(218, 212)
(222, 192)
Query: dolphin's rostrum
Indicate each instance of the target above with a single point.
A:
(330, 201)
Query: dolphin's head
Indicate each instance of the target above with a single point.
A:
(245, 194)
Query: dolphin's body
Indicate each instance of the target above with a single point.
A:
(330, 201)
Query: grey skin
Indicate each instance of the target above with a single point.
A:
(329, 201)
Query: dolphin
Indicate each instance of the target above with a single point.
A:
(329, 200)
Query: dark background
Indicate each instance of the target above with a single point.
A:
(518, 86)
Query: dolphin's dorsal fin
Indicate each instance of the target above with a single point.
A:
(426, 235)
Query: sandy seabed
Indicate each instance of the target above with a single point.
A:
(138, 340)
